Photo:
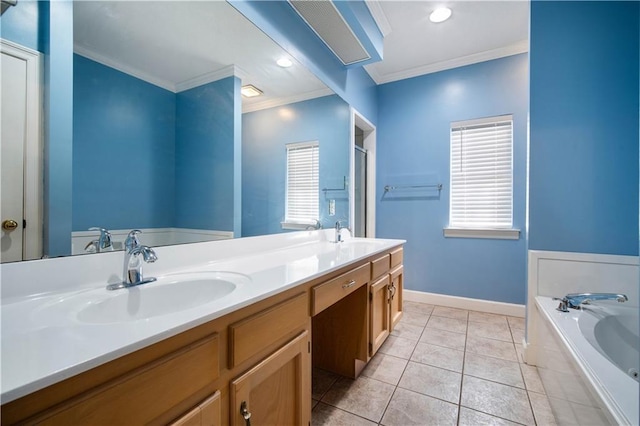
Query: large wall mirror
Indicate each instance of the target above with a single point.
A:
(164, 141)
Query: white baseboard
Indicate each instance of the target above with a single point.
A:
(489, 306)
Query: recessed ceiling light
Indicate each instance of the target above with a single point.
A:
(284, 62)
(441, 14)
(250, 91)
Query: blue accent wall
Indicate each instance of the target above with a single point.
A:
(413, 148)
(265, 134)
(281, 23)
(24, 24)
(206, 139)
(584, 127)
(123, 150)
(58, 149)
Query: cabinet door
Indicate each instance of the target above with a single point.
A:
(378, 314)
(395, 298)
(277, 391)
(207, 413)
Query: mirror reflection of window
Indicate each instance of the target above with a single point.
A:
(303, 177)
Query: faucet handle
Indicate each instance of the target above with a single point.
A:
(562, 307)
(132, 240)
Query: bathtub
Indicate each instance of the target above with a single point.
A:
(588, 362)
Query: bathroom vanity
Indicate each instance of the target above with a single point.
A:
(246, 355)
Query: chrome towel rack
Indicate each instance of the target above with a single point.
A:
(344, 186)
(389, 188)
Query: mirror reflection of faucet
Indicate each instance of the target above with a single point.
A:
(103, 243)
(135, 254)
(318, 225)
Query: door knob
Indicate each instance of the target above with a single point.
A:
(9, 225)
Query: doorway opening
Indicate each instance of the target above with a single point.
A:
(362, 192)
(21, 152)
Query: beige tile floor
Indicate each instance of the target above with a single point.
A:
(440, 366)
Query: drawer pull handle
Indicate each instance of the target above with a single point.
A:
(349, 284)
(246, 414)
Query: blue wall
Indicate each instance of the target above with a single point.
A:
(58, 147)
(24, 24)
(123, 150)
(413, 148)
(145, 157)
(264, 136)
(584, 127)
(205, 147)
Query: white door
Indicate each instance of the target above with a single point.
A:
(12, 139)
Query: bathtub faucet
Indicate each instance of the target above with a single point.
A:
(574, 300)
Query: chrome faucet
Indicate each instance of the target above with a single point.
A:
(318, 225)
(132, 271)
(339, 228)
(574, 300)
(101, 244)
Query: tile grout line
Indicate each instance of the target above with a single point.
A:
(462, 372)
(403, 371)
(464, 361)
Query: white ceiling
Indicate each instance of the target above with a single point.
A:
(477, 31)
(179, 45)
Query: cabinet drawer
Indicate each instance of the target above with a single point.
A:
(325, 295)
(396, 257)
(253, 334)
(380, 266)
(144, 394)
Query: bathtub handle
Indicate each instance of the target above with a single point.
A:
(562, 307)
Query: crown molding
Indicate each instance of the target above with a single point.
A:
(210, 77)
(513, 49)
(375, 8)
(127, 69)
(272, 103)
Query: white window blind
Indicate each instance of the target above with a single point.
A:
(302, 183)
(482, 173)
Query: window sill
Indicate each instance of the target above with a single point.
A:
(299, 226)
(495, 234)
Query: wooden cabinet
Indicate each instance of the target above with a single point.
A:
(143, 394)
(395, 296)
(207, 413)
(379, 327)
(277, 391)
(250, 335)
(257, 358)
(385, 298)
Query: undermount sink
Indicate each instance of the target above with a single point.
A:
(169, 294)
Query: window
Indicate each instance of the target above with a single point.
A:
(482, 179)
(302, 185)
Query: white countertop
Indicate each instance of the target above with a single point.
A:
(43, 344)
